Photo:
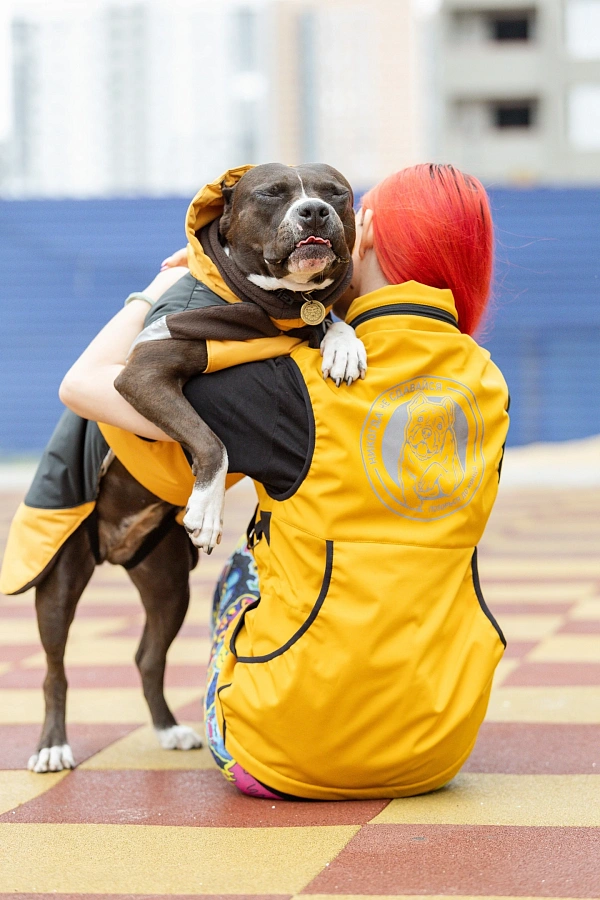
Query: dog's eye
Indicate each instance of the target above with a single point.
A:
(270, 193)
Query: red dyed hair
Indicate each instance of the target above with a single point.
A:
(433, 224)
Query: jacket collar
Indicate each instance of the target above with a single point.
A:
(407, 294)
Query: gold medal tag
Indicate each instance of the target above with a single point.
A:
(313, 312)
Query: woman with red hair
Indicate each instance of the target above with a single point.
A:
(362, 667)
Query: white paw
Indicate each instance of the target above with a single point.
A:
(203, 519)
(178, 737)
(52, 759)
(344, 355)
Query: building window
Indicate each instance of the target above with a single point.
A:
(582, 28)
(511, 28)
(514, 114)
(584, 117)
(501, 26)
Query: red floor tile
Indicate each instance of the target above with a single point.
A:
(477, 860)
(18, 742)
(580, 626)
(170, 797)
(191, 711)
(532, 674)
(516, 748)
(519, 649)
(17, 652)
(105, 677)
(530, 609)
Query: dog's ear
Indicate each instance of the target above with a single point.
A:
(225, 221)
(418, 400)
(448, 405)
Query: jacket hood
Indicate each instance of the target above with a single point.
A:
(206, 206)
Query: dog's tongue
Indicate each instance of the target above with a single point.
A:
(313, 254)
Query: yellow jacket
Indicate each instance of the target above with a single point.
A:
(365, 668)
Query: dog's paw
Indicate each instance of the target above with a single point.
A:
(178, 737)
(203, 520)
(344, 355)
(52, 759)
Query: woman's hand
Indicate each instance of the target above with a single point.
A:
(88, 387)
(179, 258)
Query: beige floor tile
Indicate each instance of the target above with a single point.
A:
(532, 800)
(503, 670)
(141, 750)
(510, 568)
(17, 787)
(132, 859)
(25, 631)
(26, 706)
(538, 593)
(120, 651)
(586, 609)
(560, 705)
(529, 628)
(575, 648)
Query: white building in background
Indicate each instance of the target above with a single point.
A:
(125, 97)
(518, 89)
(129, 97)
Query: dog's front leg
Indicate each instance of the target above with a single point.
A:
(152, 381)
(344, 355)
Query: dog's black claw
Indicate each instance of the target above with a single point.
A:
(210, 550)
(338, 381)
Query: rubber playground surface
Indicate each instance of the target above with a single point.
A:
(521, 820)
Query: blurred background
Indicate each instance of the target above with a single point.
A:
(114, 112)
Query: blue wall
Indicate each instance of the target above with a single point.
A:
(66, 267)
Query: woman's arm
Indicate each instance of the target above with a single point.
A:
(88, 387)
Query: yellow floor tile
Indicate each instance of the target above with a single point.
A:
(17, 787)
(132, 859)
(577, 705)
(574, 648)
(141, 750)
(97, 705)
(532, 800)
(120, 651)
(529, 628)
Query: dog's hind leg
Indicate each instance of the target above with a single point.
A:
(55, 601)
(162, 579)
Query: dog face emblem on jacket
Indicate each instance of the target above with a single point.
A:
(429, 464)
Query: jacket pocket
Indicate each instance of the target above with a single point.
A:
(301, 630)
(485, 608)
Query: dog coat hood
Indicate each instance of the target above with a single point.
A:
(365, 668)
(207, 206)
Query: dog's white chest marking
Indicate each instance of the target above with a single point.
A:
(178, 737)
(300, 282)
(344, 355)
(52, 759)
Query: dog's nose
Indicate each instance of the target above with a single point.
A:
(313, 213)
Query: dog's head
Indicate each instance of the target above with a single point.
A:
(290, 227)
(428, 424)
